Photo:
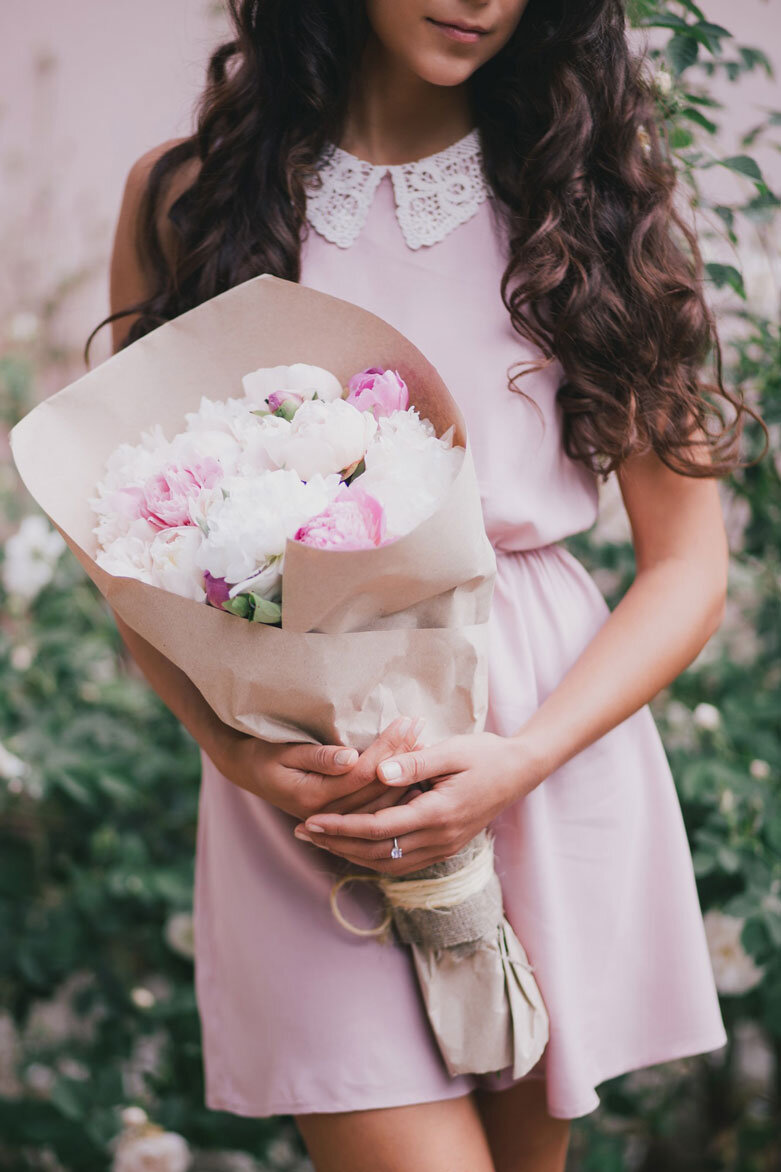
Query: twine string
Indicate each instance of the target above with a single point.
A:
(437, 894)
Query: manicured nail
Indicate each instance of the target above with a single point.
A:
(418, 726)
(404, 726)
(345, 756)
(314, 828)
(391, 770)
(302, 834)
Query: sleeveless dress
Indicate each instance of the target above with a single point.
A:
(297, 1014)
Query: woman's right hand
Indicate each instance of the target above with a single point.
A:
(303, 779)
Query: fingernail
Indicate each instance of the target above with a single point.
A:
(314, 828)
(345, 756)
(404, 726)
(391, 770)
(418, 726)
(302, 834)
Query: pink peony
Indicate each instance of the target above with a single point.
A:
(278, 399)
(165, 498)
(379, 391)
(353, 520)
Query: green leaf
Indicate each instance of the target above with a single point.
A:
(265, 611)
(238, 605)
(755, 58)
(695, 116)
(743, 165)
(682, 51)
(722, 275)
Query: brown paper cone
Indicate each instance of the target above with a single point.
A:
(366, 635)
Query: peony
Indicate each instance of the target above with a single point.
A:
(249, 526)
(127, 556)
(30, 557)
(408, 469)
(180, 934)
(733, 969)
(707, 716)
(173, 566)
(379, 391)
(164, 500)
(322, 438)
(353, 520)
(152, 1150)
(308, 381)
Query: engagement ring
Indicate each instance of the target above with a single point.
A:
(397, 852)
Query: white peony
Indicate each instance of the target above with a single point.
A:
(172, 556)
(707, 716)
(248, 528)
(179, 934)
(408, 469)
(300, 377)
(254, 453)
(30, 557)
(322, 438)
(152, 1151)
(733, 969)
(127, 556)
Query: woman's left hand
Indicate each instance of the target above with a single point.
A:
(473, 778)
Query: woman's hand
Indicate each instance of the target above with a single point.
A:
(475, 777)
(302, 779)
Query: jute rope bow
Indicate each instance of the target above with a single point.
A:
(455, 901)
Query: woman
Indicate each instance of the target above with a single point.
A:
(486, 175)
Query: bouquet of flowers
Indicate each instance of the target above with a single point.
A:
(340, 513)
(208, 513)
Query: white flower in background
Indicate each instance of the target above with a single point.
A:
(142, 997)
(248, 528)
(663, 80)
(230, 416)
(173, 565)
(152, 1150)
(300, 377)
(30, 557)
(707, 716)
(40, 1078)
(733, 969)
(23, 326)
(21, 656)
(179, 934)
(760, 770)
(408, 469)
(754, 1060)
(727, 801)
(133, 1116)
(12, 768)
(322, 437)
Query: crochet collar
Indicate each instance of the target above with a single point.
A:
(432, 195)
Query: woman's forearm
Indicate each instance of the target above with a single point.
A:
(660, 625)
(179, 694)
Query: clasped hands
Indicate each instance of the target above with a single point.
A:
(433, 799)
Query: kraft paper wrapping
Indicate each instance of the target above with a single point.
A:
(366, 635)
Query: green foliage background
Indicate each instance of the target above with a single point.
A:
(99, 788)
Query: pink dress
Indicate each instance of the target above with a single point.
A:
(298, 1015)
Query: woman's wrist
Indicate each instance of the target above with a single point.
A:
(532, 762)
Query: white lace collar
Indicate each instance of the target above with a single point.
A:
(433, 195)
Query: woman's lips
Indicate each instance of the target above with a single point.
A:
(456, 33)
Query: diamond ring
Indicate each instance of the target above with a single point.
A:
(397, 852)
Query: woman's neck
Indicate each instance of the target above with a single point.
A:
(396, 116)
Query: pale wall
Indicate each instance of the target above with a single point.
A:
(88, 85)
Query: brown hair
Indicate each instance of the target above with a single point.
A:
(603, 273)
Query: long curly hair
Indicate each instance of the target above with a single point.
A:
(603, 272)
